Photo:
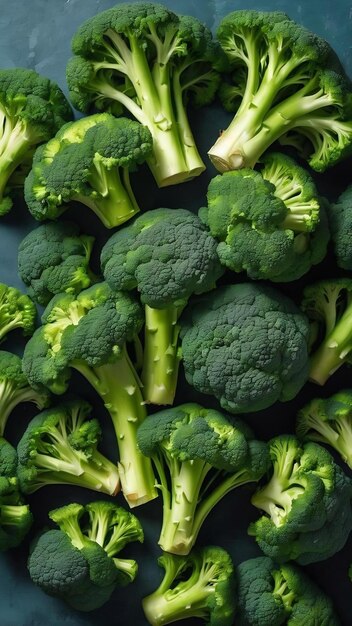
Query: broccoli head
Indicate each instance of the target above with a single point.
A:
(167, 255)
(15, 516)
(59, 446)
(79, 563)
(88, 333)
(340, 220)
(269, 223)
(16, 311)
(199, 456)
(273, 595)
(89, 161)
(246, 345)
(145, 59)
(54, 258)
(32, 109)
(329, 420)
(15, 389)
(328, 303)
(200, 584)
(306, 503)
(286, 85)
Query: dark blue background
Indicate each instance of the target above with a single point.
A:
(36, 34)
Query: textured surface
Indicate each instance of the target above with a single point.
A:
(36, 34)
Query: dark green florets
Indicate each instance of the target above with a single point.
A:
(340, 220)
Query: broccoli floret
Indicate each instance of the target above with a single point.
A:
(329, 420)
(144, 59)
(198, 585)
(199, 456)
(79, 563)
(246, 345)
(88, 333)
(15, 389)
(15, 516)
(328, 303)
(287, 85)
(54, 258)
(340, 220)
(32, 109)
(273, 595)
(16, 311)
(307, 504)
(269, 224)
(167, 255)
(89, 161)
(59, 446)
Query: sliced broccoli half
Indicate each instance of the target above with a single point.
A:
(199, 456)
(32, 109)
(89, 333)
(59, 446)
(80, 563)
(16, 311)
(306, 503)
(270, 224)
(287, 85)
(246, 345)
(200, 584)
(144, 59)
(328, 303)
(89, 161)
(340, 220)
(54, 258)
(167, 255)
(329, 420)
(15, 389)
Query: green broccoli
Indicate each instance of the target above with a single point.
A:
(54, 258)
(199, 456)
(15, 516)
(16, 311)
(328, 303)
(15, 389)
(167, 255)
(307, 504)
(88, 333)
(79, 563)
(270, 224)
(273, 595)
(144, 59)
(32, 109)
(89, 161)
(198, 585)
(329, 420)
(288, 85)
(340, 220)
(59, 446)
(246, 345)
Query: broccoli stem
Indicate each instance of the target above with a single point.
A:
(8, 323)
(11, 515)
(127, 567)
(11, 396)
(333, 351)
(14, 145)
(118, 386)
(165, 608)
(161, 354)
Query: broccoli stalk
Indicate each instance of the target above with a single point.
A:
(16, 311)
(199, 585)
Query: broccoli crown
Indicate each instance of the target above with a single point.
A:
(198, 585)
(16, 311)
(245, 344)
(307, 504)
(79, 563)
(166, 254)
(82, 163)
(340, 220)
(54, 258)
(60, 446)
(88, 329)
(272, 595)
(288, 85)
(329, 420)
(261, 225)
